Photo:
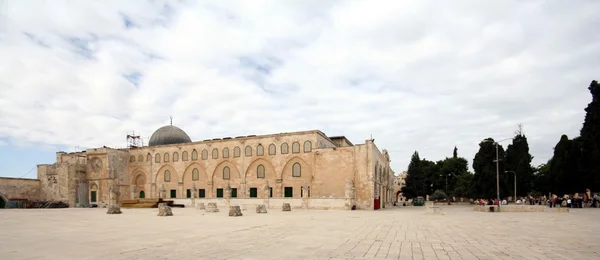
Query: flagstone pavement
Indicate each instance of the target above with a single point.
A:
(397, 233)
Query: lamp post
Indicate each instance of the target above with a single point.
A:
(515, 174)
(497, 168)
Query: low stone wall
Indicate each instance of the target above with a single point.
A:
(274, 203)
(520, 208)
(19, 188)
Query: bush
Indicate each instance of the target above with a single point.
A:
(438, 195)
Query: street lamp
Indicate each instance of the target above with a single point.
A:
(515, 174)
(497, 168)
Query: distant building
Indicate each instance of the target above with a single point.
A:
(399, 182)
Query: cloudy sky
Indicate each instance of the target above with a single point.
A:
(417, 75)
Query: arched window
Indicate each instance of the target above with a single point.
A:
(167, 176)
(204, 154)
(140, 158)
(225, 152)
(184, 156)
(248, 151)
(157, 158)
(215, 153)
(237, 152)
(307, 147)
(175, 156)
(132, 158)
(260, 171)
(295, 147)
(284, 148)
(166, 159)
(149, 158)
(260, 150)
(195, 175)
(272, 149)
(194, 155)
(296, 170)
(226, 173)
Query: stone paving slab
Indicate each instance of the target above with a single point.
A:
(399, 233)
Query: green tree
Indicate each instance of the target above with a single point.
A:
(431, 172)
(565, 172)
(484, 180)
(590, 140)
(462, 188)
(438, 195)
(541, 181)
(414, 178)
(449, 169)
(518, 160)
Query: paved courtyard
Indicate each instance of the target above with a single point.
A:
(399, 233)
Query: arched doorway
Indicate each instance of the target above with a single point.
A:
(142, 195)
(3, 202)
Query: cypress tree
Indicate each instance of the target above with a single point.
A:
(518, 159)
(590, 140)
(414, 178)
(484, 180)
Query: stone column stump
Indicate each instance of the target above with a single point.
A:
(114, 209)
(286, 207)
(164, 210)
(200, 206)
(212, 207)
(261, 209)
(235, 211)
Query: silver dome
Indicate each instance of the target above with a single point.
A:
(169, 134)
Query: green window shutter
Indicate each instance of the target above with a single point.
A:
(173, 194)
(253, 193)
(234, 192)
(188, 193)
(93, 196)
(289, 192)
(219, 193)
(201, 193)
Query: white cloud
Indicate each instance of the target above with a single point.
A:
(418, 75)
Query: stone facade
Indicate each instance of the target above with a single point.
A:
(399, 182)
(282, 162)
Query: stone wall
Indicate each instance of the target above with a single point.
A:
(19, 188)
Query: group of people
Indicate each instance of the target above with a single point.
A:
(566, 201)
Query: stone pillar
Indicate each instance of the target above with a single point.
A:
(181, 191)
(245, 193)
(266, 193)
(162, 192)
(228, 195)
(350, 193)
(113, 201)
(193, 194)
(152, 193)
(305, 196)
(279, 188)
(133, 192)
(211, 190)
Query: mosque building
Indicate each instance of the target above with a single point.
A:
(331, 170)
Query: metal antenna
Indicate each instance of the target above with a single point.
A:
(171, 120)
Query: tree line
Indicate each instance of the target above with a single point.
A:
(574, 167)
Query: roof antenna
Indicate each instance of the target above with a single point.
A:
(171, 120)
